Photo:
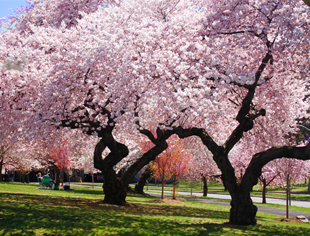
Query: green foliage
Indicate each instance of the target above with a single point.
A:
(26, 210)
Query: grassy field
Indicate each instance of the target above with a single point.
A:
(26, 210)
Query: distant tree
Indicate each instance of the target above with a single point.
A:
(203, 167)
(173, 163)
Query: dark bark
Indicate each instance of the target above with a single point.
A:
(264, 190)
(205, 186)
(242, 211)
(162, 189)
(144, 160)
(265, 185)
(160, 146)
(258, 161)
(57, 177)
(142, 180)
(1, 164)
(174, 189)
(115, 191)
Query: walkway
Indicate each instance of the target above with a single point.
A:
(278, 201)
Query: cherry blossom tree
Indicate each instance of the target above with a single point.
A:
(98, 108)
(4, 157)
(203, 167)
(60, 156)
(219, 70)
(172, 163)
(291, 171)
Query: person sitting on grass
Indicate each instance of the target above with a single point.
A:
(39, 177)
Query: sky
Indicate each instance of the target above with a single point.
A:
(6, 4)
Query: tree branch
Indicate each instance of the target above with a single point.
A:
(258, 161)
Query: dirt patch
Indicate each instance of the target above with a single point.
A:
(165, 200)
(292, 220)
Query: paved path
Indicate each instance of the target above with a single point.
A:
(280, 212)
(278, 201)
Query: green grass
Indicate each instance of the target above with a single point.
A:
(26, 210)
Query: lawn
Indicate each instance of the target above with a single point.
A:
(26, 210)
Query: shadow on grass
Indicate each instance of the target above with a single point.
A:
(45, 215)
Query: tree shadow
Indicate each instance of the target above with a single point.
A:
(46, 215)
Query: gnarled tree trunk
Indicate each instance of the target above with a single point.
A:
(242, 211)
(114, 190)
(142, 180)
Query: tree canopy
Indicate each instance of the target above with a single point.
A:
(220, 70)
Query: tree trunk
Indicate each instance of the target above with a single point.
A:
(287, 195)
(142, 180)
(1, 164)
(174, 188)
(162, 189)
(92, 179)
(205, 186)
(63, 176)
(114, 190)
(242, 211)
(264, 190)
(57, 178)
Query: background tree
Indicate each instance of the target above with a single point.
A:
(172, 163)
(291, 171)
(60, 155)
(203, 167)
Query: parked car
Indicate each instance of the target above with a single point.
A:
(98, 177)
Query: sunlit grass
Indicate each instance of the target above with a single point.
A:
(26, 210)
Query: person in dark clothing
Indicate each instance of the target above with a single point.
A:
(11, 175)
